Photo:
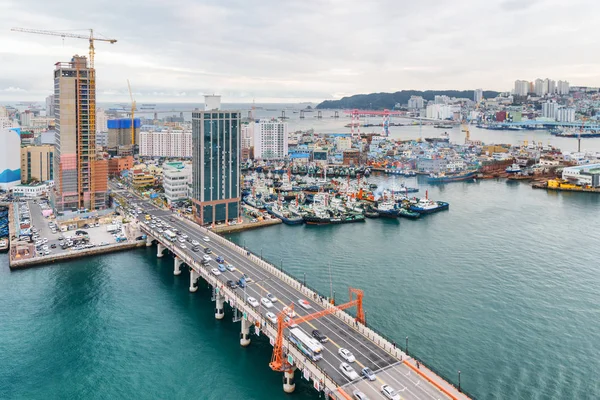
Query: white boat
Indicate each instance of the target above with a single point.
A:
(513, 169)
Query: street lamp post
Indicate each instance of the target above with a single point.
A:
(304, 279)
(407, 345)
(459, 381)
(334, 297)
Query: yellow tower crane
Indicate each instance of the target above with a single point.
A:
(91, 38)
(133, 105)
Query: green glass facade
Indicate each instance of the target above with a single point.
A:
(216, 144)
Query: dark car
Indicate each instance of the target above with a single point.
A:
(195, 248)
(207, 250)
(231, 284)
(204, 262)
(53, 245)
(242, 283)
(319, 336)
(220, 259)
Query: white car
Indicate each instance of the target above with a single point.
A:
(304, 304)
(206, 257)
(271, 297)
(195, 242)
(45, 240)
(206, 239)
(271, 317)
(348, 371)
(182, 245)
(289, 312)
(184, 236)
(230, 267)
(182, 240)
(346, 355)
(292, 325)
(252, 301)
(358, 395)
(266, 302)
(45, 247)
(215, 272)
(389, 392)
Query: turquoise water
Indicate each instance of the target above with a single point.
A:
(503, 286)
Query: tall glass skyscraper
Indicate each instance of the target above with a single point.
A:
(216, 144)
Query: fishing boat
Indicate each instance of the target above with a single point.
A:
(288, 217)
(319, 216)
(387, 209)
(513, 169)
(254, 202)
(404, 213)
(427, 206)
(443, 177)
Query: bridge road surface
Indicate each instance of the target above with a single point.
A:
(388, 369)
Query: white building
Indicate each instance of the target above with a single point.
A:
(416, 103)
(584, 175)
(439, 111)
(26, 118)
(478, 95)
(270, 139)
(565, 114)
(171, 144)
(441, 99)
(30, 191)
(3, 112)
(562, 87)
(343, 143)
(101, 121)
(549, 109)
(177, 180)
(247, 132)
(521, 88)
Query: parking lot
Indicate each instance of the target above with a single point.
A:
(98, 235)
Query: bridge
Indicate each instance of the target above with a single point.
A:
(545, 125)
(391, 365)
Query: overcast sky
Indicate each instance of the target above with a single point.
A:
(309, 50)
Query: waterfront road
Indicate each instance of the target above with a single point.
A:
(388, 369)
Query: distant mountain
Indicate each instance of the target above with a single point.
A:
(380, 101)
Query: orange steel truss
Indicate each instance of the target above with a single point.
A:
(278, 360)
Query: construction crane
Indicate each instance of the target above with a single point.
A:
(132, 115)
(278, 361)
(91, 38)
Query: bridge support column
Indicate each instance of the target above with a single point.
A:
(193, 278)
(176, 266)
(245, 333)
(219, 309)
(148, 241)
(289, 383)
(159, 250)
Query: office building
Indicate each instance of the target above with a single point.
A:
(117, 165)
(270, 139)
(521, 88)
(177, 179)
(10, 166)
(549, 109)
(562, 88)
(478, 95)
(169, 144)
(141, 179)
(416, 103)
(37, 163)
(81, 180)
(216, 145)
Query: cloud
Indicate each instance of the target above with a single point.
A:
(299, 50)
(12, 89)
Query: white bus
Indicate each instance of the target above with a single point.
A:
(169, 235)
(309, 346)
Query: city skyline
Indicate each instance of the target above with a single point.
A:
(290, 53)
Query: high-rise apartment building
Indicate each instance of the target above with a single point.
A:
(521, 88)
(478, 95)
(170, 144)
(550, 109)
(37, 163)
(50, 106)
(540, 88)
(216, 142)
(416, 103)
(119, 140)
(270, 139)
(81, 180)
(177, 177)
(562, 87)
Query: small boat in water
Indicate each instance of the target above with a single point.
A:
(513, 169)
(443, 178)
(404, 213)
(387, 209)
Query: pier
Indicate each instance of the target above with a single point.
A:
(391, 364)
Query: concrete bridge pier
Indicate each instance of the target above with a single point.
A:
(159, 250)
(289, 383)
(245, 333)
(193, 278)
(176, 266)
(219, 309)
(149, 241)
